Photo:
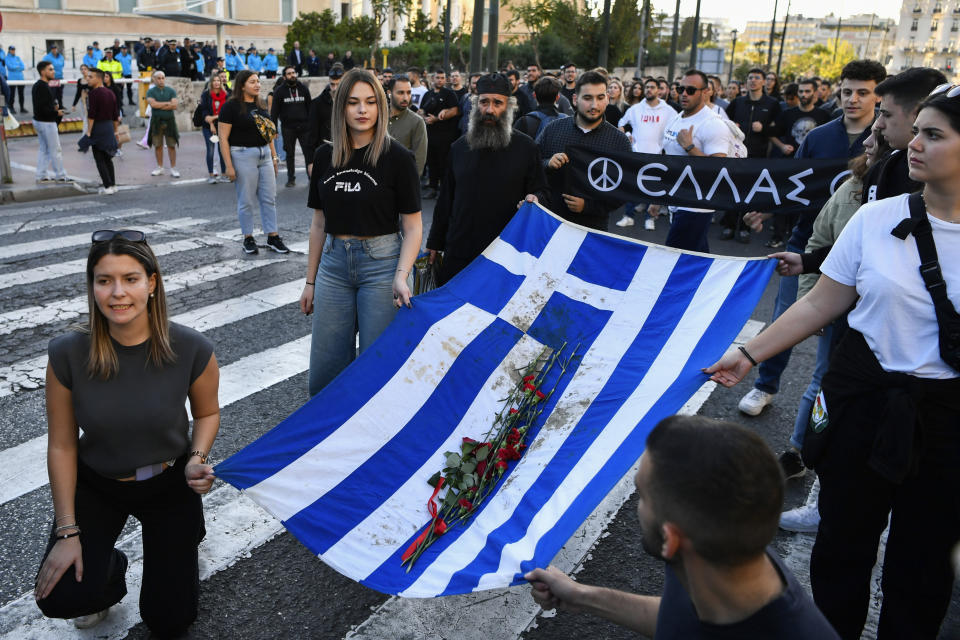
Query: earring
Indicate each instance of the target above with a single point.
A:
(151, 295)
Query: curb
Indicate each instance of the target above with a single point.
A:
(9, 195)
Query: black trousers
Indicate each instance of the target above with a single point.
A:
(293, 133)
(16, 90)
(855, 502)
(104, 167)
(172, 518)
(130, 91)
(438, 150)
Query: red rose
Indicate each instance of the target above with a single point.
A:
(466, 504)
(502, 466)
(440, 527)
(514, 436)
(468, 440)
(529, 387)
(481, 466)
(512, 411)
(540, 394)
(529, 378)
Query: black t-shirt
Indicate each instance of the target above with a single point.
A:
(791, 616)
(793, 125)
(243, 131)
(360, 200)
(433, 103)
(137, 417)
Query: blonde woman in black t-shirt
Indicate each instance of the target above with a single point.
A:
(126, 380)
(366, 231)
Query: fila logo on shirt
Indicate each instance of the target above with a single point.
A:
(649, 117)
(349, 187)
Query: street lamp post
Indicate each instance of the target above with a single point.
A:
(733, 55)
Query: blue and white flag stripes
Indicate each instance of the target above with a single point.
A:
(347, 472)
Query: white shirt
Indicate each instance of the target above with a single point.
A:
(648, 124)
(710, 135)
(416, 94)
(895, 313)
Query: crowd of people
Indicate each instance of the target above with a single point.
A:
(883, 393)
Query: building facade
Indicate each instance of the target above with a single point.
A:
(928, 36)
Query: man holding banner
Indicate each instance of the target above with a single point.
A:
(695, 131)
(586, 128)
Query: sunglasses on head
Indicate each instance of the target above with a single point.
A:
(130, 235)
(689, 90)
(952, 90)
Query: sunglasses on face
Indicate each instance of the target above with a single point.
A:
(952, 90)
(689, 90)
(105, 235)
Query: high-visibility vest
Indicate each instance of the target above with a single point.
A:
(113, 67)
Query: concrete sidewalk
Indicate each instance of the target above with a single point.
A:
(132, 168)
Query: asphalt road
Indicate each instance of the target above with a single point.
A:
(264, 584)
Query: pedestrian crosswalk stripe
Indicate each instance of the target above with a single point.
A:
(49, 223)
(61, 310)
(21, 249)
(74, 267)
(6, 212)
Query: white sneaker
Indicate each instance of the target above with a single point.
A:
(174, 172)
(649, 224)
(212, 180)
(92, 620)
(119, 154)
(109, 191)
(754, 402)
(803, 519)
(142, 146)
(157, 172)
(625, 221)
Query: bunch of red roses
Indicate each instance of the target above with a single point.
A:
(472, 473)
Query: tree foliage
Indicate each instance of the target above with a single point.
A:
(819, 60)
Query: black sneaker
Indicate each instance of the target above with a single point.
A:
(792, 464)
(275, 243)
(250, 245)
(743, 236)
(291, 183)
(726, 234)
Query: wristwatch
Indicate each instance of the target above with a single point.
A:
(688, 147)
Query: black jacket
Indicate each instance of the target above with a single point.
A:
(318, 118)
(291, 105)
(744, 112)
(313, 66)
(147, 60)
(44, 104)
(169, 62)
(348, 63)
(188, 62)
(296, 64)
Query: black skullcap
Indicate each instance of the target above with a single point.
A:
(494, 83)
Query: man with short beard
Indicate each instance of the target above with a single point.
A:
(321, 109)
(439, 108)
(710, 495)
(490, 170)
(291, 105)
(405, 126)
(587, 128)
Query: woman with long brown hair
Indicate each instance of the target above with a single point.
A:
(125, 378)
(366, 231)
(247, 148)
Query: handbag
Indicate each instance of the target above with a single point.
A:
(123, 133)
(425, 273)
(265, 127)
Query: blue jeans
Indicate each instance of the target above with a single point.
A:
(770, 370)
(278, 145)
(354, 289)
(689, 230)
(628, 210)
(50, 156)
(211, 147)
(256, 182)
(806, 401)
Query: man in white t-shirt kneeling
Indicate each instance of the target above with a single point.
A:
(695, 131)
(645, 122)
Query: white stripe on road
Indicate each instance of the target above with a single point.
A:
(8, 212)
(20, 249)
(23, 468)
(507, 613)
(68, 309)
(34, 225)
(73, 267)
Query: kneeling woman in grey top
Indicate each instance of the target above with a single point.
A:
(124, 381)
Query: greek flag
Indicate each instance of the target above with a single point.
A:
(347, 472)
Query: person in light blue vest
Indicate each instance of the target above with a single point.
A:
(57, 60)
(254, 61)
(270, 63)
(201, 63)
(232, 62)
(97, 51)
(126, 70)
(90, 58)
(14, 72)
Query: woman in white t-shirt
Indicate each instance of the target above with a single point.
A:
(892, 444)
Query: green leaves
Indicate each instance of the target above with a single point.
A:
(453, 460)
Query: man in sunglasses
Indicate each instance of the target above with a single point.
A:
(695, 131)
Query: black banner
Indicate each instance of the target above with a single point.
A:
(785, 185)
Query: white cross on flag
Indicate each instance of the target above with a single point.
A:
(347, 472)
